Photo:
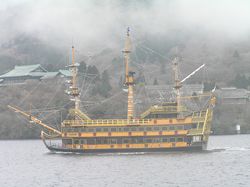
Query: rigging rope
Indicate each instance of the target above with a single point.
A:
(21, 102)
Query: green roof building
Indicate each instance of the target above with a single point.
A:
(20, 74)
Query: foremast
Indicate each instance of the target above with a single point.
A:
(74, 90)
(129, 77)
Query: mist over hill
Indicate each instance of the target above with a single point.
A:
(203, 31)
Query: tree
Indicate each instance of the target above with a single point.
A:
(155, 81)
(208, 86)
(105, 79)
(240, 81)
(50, 67)
(140, 78)
(236, 54)
(103, 87)
(121, 82)
(93, 72)
(82, 68)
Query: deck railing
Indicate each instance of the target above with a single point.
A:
(106, 121)
(195, 132)
(163, 110)
(197, 117)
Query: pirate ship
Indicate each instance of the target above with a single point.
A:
(168, 126)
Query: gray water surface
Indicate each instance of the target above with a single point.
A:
(29, 163)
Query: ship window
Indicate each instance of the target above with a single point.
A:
(76, 141)
(98, 129)
(134, 140)
(120, 129)
(172, 139)
(171, 128)
(141, 129)
(68, 129)
(113, 129)
(156, 140)
(187, 127)
(180, 127)
(149, 128)
(156, 128)
(113, 141)
(140, 140)
(194, 126)
(165, 140)
(125, 140)
(67, 141)
(91, 130)
(104, 141)
(119, 141)
(98, 141)
(133, 129)
(83, 141)
(91, 141)
(164, 128)
(147, 140)
(179, 139)
(105, 129)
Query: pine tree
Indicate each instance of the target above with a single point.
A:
(82, 68)
(236, 54)
(121, 82)
(93, 72)
(240, 81)
(155, 81)
(104, 87)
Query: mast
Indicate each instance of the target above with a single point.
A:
(129, 78)
(74, 90)
(177, 82)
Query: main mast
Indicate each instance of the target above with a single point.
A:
(74, 90)
(129, 78)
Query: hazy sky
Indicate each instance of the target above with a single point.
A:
(95, 23)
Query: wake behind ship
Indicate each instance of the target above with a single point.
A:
(168, 126)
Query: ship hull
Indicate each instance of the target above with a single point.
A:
(199, 147)
(89, 151)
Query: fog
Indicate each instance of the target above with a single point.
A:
(93, 24)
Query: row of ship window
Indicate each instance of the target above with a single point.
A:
(133, 140)
(129, 129)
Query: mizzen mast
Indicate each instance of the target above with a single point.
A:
(177, 82)
(129, 77)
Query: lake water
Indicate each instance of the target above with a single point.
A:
(28, 163)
